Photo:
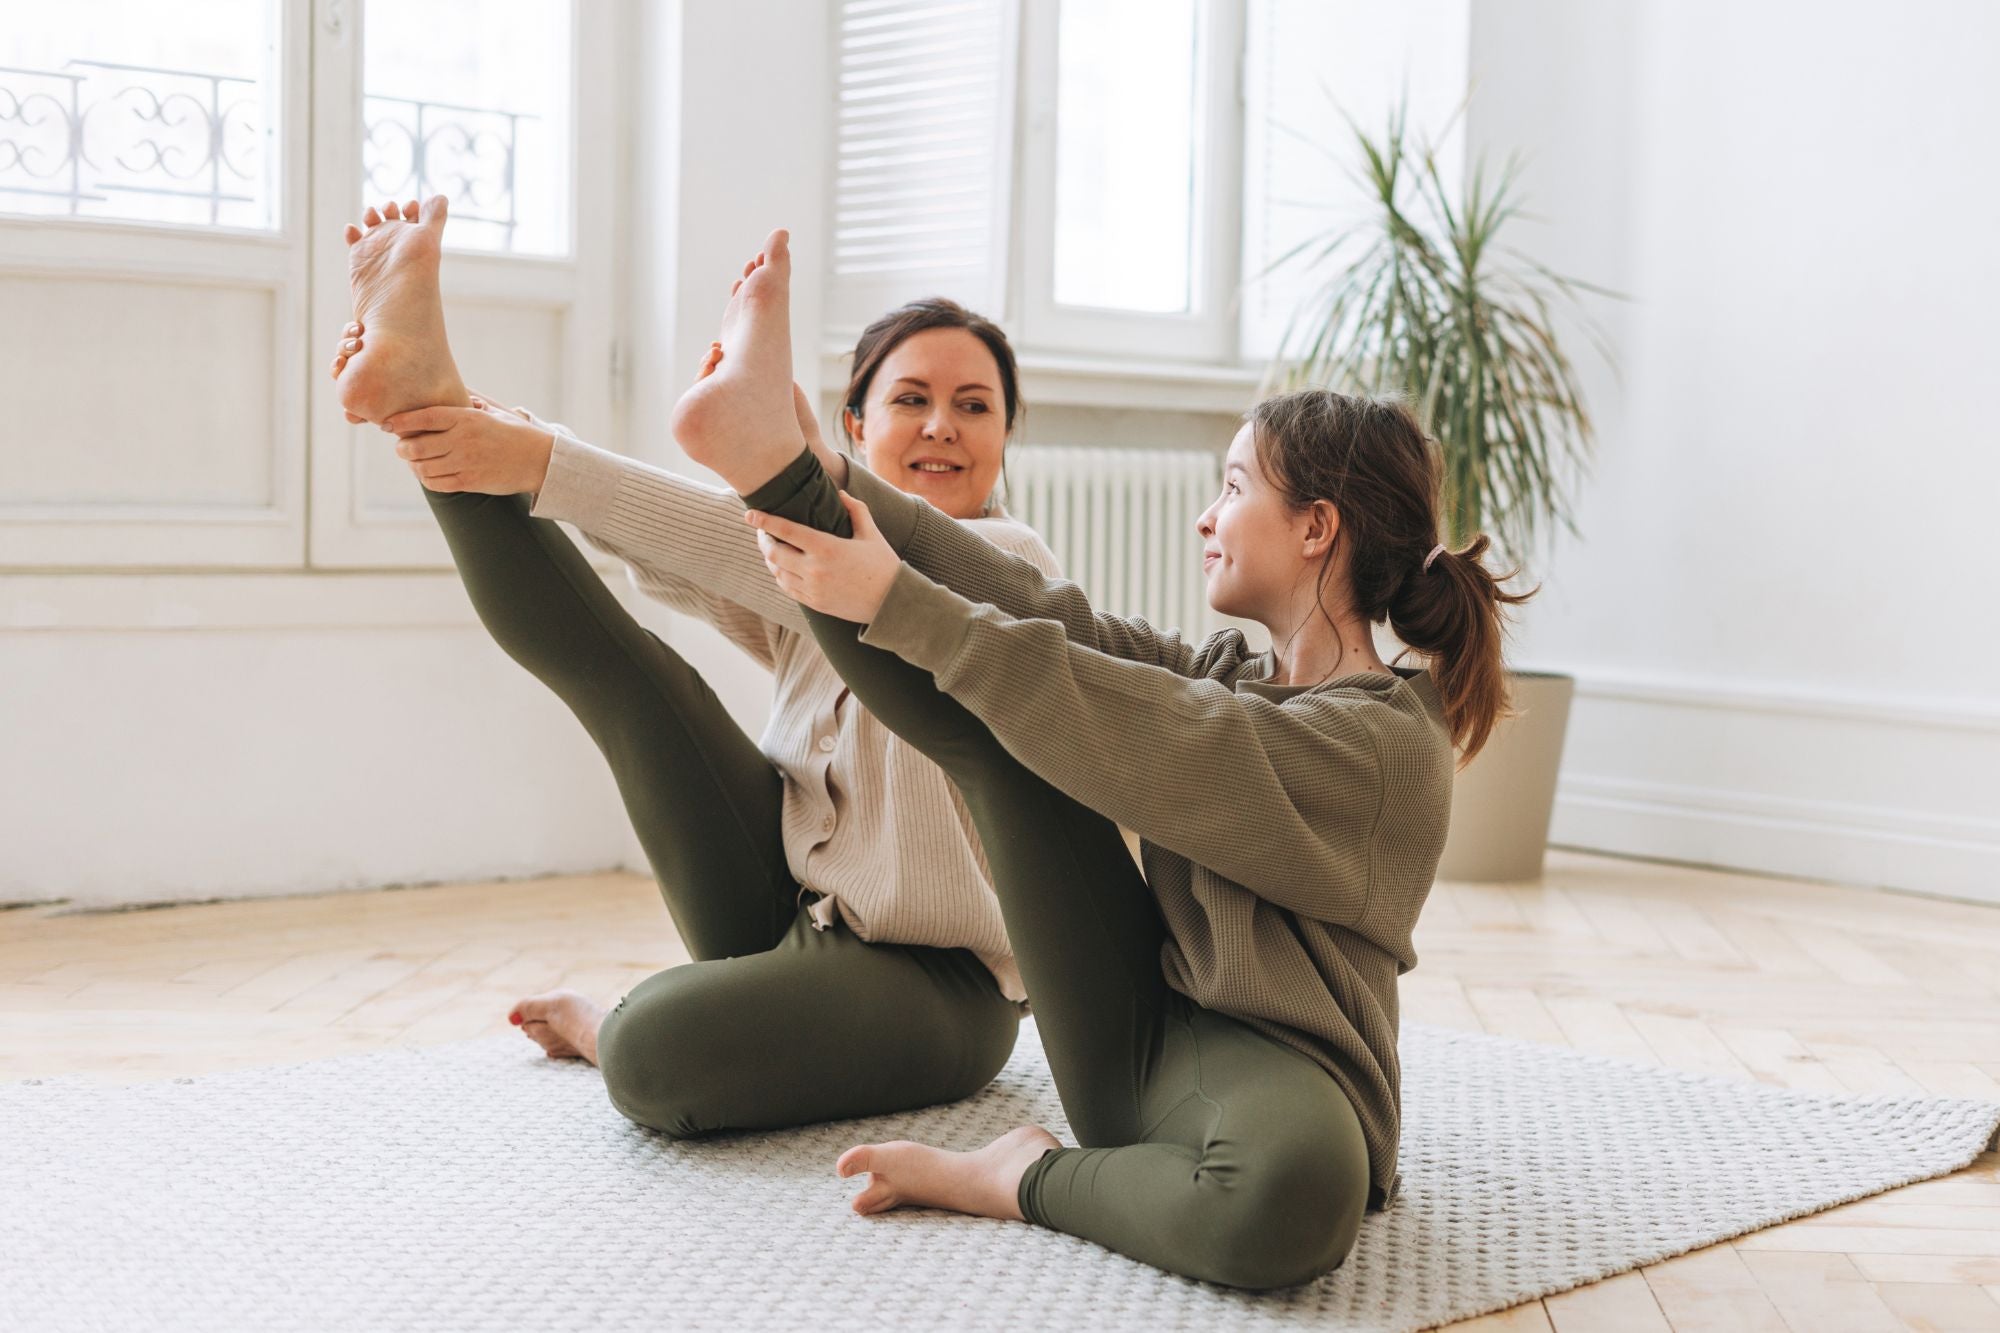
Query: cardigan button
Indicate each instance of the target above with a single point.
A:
(826, 743)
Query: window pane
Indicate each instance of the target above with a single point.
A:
(471, 99)
(1125, 131)
(144, 112)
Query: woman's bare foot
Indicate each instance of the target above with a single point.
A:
(563, 1022)
(985, 1182)
(740, 420)
(393, 270)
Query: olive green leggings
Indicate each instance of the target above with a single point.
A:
(776, 1023)
(1208, 1148)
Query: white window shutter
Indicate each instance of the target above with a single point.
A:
(923, 150)
(1301, 57)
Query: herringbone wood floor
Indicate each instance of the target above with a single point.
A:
(1806, 985)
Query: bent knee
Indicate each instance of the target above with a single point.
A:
(661, 1067)
(1293, 1223)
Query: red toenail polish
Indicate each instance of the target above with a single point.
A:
(515, 1019)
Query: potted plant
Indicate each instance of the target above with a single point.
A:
(1418, 303)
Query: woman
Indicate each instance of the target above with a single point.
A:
(850, 955)
(1222, 1029)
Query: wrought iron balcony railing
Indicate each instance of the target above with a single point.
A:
(195, 136)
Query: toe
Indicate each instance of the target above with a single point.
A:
(875, 1199)
(392, 210)
(371, 217)
(410, 211)
(351, 234)
(855, 1160)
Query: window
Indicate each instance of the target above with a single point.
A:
(174, 180)
(1307, 62)
(1128, 89)
(1167, 153)
(106, 111)
(1128, 223)
(472, 100)
(922, 153)
(1089, 203)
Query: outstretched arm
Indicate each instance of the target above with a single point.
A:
(1278, 797)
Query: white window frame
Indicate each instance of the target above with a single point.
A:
(347, 531)
(316, 514)
(165, 532)
(1206, 332)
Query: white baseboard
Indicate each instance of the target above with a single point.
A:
(1871, 792)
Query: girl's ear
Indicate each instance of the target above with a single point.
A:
(1322, 527)
(851, 421)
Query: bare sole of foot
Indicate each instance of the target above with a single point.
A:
(393, 273)
(985, 1182)
(740, 419)
(563, 1023)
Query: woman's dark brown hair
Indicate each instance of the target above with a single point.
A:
(1371, 460)
(889, 332)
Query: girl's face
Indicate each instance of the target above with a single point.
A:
(935, 421)
(1253, 543)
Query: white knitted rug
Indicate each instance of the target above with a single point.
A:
(478, 1185)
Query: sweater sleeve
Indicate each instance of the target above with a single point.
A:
(928, 539)
(686, 543)
(1276, 796)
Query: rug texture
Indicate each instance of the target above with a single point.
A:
(479, 1185)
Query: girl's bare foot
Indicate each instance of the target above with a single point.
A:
(393, 270)
(563, 1023)
(740, 419)
(985, 1182)
(801, 408)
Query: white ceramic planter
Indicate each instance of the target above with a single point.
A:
(1503, 800)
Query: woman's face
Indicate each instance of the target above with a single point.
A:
(935, 423)
(1252, 541)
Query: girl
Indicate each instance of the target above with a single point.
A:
(1222, 1029)
(850, 955)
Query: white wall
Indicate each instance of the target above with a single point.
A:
(1778, 612)
(183, 737)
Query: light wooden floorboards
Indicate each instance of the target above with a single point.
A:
(1792, 983)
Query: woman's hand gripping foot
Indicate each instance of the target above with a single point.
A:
(985, 1182)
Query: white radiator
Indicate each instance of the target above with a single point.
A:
(1122, 523)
